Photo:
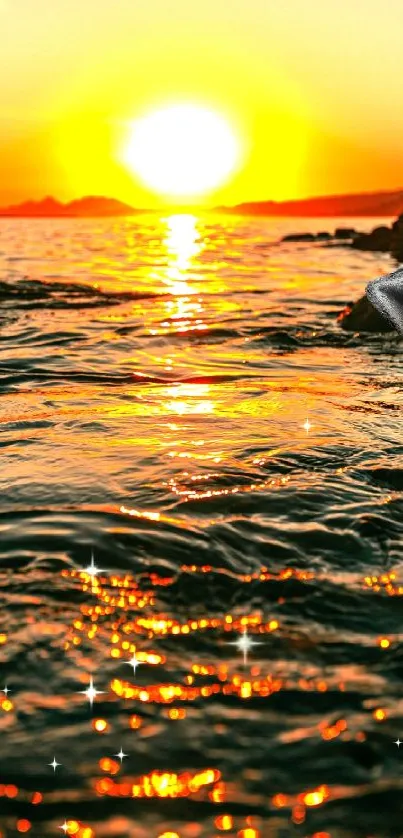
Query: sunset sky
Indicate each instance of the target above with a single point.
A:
(312, 90)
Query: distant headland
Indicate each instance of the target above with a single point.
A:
(89, 207)
(375, 204)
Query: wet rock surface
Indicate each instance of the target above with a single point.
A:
(363, 317)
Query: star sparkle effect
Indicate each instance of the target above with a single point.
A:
(398, 742)
(5, 690)
(92, 570)
(134, 662)
(64, 827)
(54, 764)
(307, 425)
(244, 644)
(91, 692)
(121, 755)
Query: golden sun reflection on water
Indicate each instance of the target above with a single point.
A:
(188, 398)
(182, 240)
(182, 245)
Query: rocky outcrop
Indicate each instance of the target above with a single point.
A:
(383, 239)
(299, 237)
(347, 234)
(379, 239)
(363, 317)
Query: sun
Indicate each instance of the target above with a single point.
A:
(182, 150)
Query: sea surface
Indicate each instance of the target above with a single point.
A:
(201, 518)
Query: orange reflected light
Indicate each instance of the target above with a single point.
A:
(224, 822)
(316, 797)
(187, 399)
(160, 784)
(100, 725)
(23, 825)
(120, 608)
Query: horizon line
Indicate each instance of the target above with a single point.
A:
(119, 207)
(335, 195)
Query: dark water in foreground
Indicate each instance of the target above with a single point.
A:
(156, 378)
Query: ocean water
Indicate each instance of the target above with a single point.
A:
(181, 411)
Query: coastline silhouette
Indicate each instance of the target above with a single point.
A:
(355, 205)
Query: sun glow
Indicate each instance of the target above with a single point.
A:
(182, 150)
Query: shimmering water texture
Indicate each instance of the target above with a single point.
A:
(179, 402)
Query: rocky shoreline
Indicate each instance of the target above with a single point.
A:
(383, 239)
(361, 316)
(344, 234)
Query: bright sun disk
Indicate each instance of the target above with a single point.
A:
(182, 150)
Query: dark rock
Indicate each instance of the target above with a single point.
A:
(342, 233)
(396, 246)
(381, 231)
(397, 251)
(299, 237)
(383, 237)
(380, 239)
(362, 242)
(345, 233)
(363, 317)
(397, 225)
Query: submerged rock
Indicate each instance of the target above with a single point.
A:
(363, 317)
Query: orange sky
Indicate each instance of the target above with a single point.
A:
(312, 88)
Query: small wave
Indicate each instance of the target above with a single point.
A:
(13, 374)
(33, 293)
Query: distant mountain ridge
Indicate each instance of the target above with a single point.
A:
(368, 203)
(88, 207)
(376, 204)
